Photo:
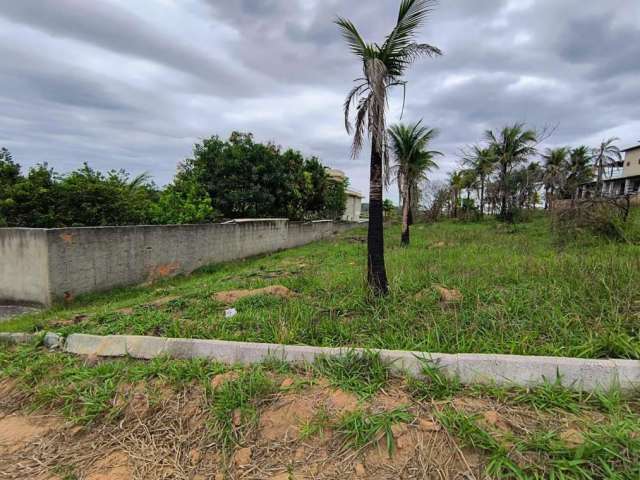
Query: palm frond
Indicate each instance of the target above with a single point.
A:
(352, 36)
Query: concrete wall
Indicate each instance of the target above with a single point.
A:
(632, 162)
(24, 276)
(39, 266)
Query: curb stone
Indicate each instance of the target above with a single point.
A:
(526, 371)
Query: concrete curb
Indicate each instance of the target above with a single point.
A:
(574, 373)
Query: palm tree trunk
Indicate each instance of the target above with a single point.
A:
(406, 211)
(482, 197)
(503, 200)
(376, 272)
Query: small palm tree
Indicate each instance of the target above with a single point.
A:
(383, 68)
(607, 155)
(482, 161)
(511, 146)
(413, 161)
(555, 167)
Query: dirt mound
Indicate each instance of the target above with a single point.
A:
(232, 296)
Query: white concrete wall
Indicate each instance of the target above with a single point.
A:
(24, 267)
(39, 266)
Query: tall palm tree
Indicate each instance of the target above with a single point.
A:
(409, 146)
(482, 162)
(554, 177)
(511, 146)
(383, 68)
(607, 155)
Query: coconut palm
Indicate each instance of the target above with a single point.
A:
(578, 170)
(456, 184)
(383, 68)
(482, 162)
(511, 146)
(555, 167)
(409, 144)
(607, 155)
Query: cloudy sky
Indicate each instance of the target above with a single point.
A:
(134, 83)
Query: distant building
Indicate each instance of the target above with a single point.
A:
(353, 206)
(620, 179)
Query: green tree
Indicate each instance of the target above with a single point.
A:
(555, 171)
(409, 144)
(482, 161)
(383, 67)
(607, 155)
(512, 146)
(578, 170)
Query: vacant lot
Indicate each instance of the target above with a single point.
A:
(339, 418)
(521, 294)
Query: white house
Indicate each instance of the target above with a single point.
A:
(353, 206)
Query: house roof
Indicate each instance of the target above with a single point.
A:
(630, 148)
(353, 193)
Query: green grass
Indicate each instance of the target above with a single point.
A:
(608, 451)
(361, 428)
(522, 295)
(361, 373)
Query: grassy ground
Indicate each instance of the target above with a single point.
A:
(65, 417)
(522, 295)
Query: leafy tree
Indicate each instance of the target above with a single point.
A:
(409, 146)
(456, 183)
(512, 146)
(383, 67)
(248, 179)
(183, 204)
(388, 208)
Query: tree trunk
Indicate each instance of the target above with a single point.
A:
(503, 200)
(482, 197)
(406, 212)
(376, 272)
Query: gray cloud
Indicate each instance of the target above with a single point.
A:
(134, 84)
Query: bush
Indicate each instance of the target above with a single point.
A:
(601, 217)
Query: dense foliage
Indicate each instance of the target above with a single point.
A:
(245, 179)
(225, 179)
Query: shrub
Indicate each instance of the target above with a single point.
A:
(603, 217)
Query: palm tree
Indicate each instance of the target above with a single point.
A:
(578, 170)
(482, 162)
(456, 182)
(383, 67)
(511, 146)
(413, 161)
(606, 155)
(555, 167)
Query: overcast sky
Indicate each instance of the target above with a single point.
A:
(134, 83)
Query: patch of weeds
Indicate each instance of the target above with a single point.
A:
(434, 384)
(277, 365)
(316, 425)
(360, 428)
(361, 373)
(177, 372)
(241, 395)
(551, 395)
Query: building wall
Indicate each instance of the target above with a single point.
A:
(632, 158)
(353, 209)
(24, 274)
(39, 265)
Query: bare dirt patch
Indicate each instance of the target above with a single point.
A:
(232, 296)
(17, 430)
